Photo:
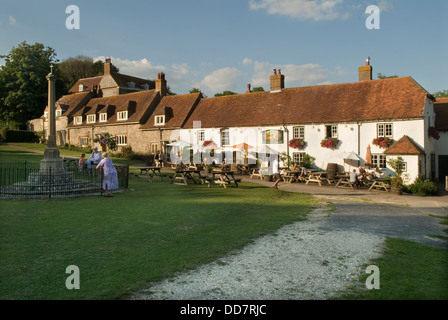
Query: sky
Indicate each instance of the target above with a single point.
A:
(218, 45)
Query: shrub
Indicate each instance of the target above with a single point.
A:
(20, 136)
(423, 187)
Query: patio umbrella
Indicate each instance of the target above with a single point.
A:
(352, 159)
(210, 145)
(368, 161)
(241, 146)
(180, 144)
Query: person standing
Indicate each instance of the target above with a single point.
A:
(94, 158)
(110, 180)
(276, 172)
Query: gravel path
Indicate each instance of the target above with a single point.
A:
(300, 261)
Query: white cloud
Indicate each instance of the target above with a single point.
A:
(176, 74)
(385, 5)
(12, 20)
(301, 9)
(295, 75)
(221, 79)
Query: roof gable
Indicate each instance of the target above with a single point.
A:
(404, 145)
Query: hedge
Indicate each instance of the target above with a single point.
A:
(20, 136)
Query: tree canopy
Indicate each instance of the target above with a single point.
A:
(23, 86)
(224, 93)
(440, 94)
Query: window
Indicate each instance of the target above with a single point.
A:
(58, 113)
(121, 139)
(201, 137)
(154, 147)
(384, 130)
(91, 118)
(331, 131)
(159, 120)
(131, 84)
(298, 157)
(122, 115)
(298, 132)
(78, 120)
(81, 88)
(83, 141)
(378, 160)
(46, 115)
(225, 138)
(103, 117)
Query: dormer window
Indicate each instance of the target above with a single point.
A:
(122, 115)
(159, 120)
(58, 113)
(91, 118)
(131, 84)
(103, 117)
(145, 86)
(78, 120)
(81, 88)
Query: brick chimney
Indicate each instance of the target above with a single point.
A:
(277, 81)
(248, 88)
(365, 72)
(161, 84)
(107, 66)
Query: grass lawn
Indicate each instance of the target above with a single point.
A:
(120, 244)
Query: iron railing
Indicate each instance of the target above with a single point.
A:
(25, 180)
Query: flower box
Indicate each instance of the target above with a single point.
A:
(382, 142)
(330, 143)
(297, 143)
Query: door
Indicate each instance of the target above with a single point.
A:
(443, 167)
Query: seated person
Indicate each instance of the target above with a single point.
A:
(81, 162)
(354, 179)
(378, 173)
(95, 158)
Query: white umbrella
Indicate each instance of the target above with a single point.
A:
(180, 143)
(351, 157)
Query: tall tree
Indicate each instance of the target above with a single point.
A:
(79, 67)
(440, 94)
(196, 90)
(24, 93)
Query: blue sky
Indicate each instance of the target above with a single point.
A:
(219, 45)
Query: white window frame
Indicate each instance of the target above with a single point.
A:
(122, 115)
(225, 137)
(83, 141)
(297, 157)
(298, 132)
(78, 120)
(121, 139)
(333, 131)
(91, 118)
(159, 120)
(201, 137)
(379, 160)
(103, 117)
(58, 113)
(385, 130)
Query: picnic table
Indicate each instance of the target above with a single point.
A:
(290, 175)
(259, 172)
(344, 180)
(149, 172)
(380, 184)
(183, 177)
(319, 177)
(224, 178)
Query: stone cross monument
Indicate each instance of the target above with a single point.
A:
(52, 159)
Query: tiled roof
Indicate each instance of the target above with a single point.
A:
(404, 146)
(441, 109)
(138, 105)
(88, 83)
(72, 102)
(359, 101)
(176, 110)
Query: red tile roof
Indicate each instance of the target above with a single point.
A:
(176, 110)
(404, 146)
(359, 101)
(72, 102)
(441, 109)
(139, 105)
(89, 84)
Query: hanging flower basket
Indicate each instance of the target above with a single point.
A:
(297, 143)
(330, 143)
(383, 142)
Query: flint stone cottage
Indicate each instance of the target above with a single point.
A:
(390, 117)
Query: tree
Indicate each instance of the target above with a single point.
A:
(382, 76)
(225, 93)
(79, 67)
(196, 90)
(440, 94)
(24, 92)
(257, 89)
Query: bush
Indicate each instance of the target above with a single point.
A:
(20, 136)
(423, 187)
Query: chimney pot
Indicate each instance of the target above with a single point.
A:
(365, 72)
